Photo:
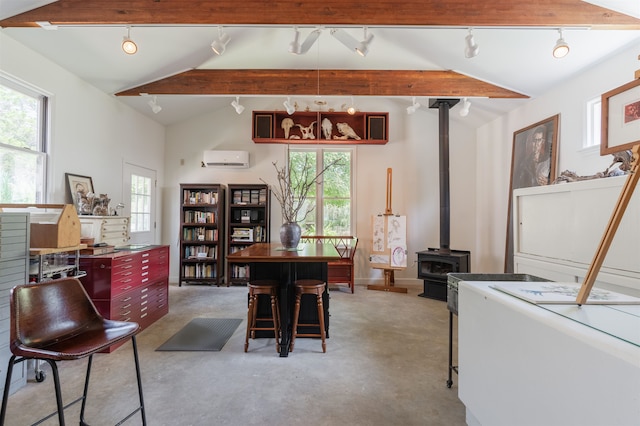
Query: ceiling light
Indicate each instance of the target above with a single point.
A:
(363, 46)
(300, 49)
(471, 50)
(464, 111)
(413, 107)
(236, 104)
(153, 103)
(561, 49)
(290, 108)
(220, 43)
(294, 46)
(359, 47)
(351, 109)
(128, 45)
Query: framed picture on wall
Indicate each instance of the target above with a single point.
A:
(533, 163)
(620, 118)
(78, 190)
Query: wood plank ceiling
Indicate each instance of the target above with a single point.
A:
(417, 13)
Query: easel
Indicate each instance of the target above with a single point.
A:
(389, 279)
(612, 227)
(616, 217)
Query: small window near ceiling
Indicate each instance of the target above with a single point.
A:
(23, 123)
(140, 203)
(594, 123)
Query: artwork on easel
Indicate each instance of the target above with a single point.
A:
(389, 247)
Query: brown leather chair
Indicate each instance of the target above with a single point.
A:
(57, 321)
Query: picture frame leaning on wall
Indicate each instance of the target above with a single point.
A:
(534, 159)
(620, 118)
(78, 186)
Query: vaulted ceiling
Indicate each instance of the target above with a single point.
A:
(417, 50)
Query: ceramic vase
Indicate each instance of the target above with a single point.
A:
(290, 234)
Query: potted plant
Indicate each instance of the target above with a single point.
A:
(294, 185)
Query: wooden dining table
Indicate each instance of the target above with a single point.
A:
(272, 261)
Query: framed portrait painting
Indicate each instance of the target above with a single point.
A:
(620, 118)
(78, 187)
(533, 163)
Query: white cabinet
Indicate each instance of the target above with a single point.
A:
(14, 262)
(112, 230)
(557, 230)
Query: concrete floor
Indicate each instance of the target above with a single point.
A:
(386, 364)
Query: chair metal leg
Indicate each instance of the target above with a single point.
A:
(139, 379)
(7, 384)
(56, 384)
(85, 391)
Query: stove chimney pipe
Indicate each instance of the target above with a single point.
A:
(443, 106)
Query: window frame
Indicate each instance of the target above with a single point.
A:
(318, 212)
(43, 131)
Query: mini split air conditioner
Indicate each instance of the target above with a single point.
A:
(227, 159)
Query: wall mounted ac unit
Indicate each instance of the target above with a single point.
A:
(227, 159)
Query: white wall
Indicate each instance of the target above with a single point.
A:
(92, 133)
(412, 153)
(494, 143)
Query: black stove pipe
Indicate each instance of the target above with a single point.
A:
(443, 106)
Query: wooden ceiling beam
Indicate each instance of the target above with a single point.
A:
(465, 13)
(283, 82)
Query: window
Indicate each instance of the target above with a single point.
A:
(594, 122)
(23, 124)
(140, 203)
(332, 200)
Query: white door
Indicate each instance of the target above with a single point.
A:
(140, 189)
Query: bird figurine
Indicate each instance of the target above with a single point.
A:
(346, 131)
(326, 128)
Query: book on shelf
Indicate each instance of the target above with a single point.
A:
(200, 252)
(242, 235)
(196, 216)
(200, 197)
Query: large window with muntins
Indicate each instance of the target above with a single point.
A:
(23, 143)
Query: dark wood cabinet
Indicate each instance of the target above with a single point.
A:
(248, 222)
(129, 285)
(202, 234)
(318, 127)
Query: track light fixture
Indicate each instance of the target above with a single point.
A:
(289, 106)
(220, 44)
(413, 107)
(128, 46)
(236, 104)
(464, 111)
(361, 48)
(153, 103)
(296, 48)
(561, 49)
(471, 50)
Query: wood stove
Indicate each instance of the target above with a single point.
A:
(435, 263)
(433, 267)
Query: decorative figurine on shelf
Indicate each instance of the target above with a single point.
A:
(101, 205)
(346, 131)
(327, 127)
(307, 132)
(85, 202)
(286, 125)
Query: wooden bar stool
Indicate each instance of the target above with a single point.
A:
(267, 288)
(316, 287)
